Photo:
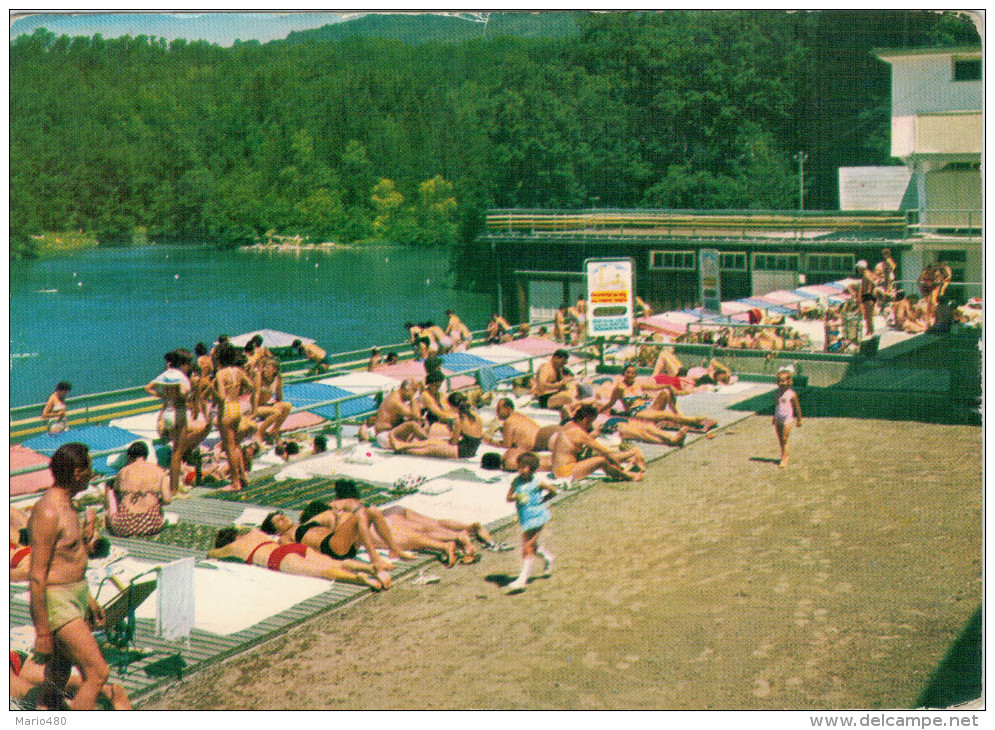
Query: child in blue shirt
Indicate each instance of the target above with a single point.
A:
(527, 492)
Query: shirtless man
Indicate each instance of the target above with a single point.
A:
(435, 407)
(498, 329)
(905, 318)
(457, 331)
(560, 328)
(134, 502)
(268, 401)
(60, 599)
(576, 453)
(313, 353)
(258, 548)
(521, 434)
(884, 271)
(866, 297)
(398, 419)
(554, 387)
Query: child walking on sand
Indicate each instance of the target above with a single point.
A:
(527, 492)
(787, 412)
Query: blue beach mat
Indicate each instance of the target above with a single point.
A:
(302, 395)
(98, 438)
(459, 362)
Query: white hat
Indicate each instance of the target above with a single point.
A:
(786, 369)
(861, 264)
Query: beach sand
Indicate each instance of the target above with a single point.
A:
(720, 582)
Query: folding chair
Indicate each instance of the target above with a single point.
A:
(118, 634)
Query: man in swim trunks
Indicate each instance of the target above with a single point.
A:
(554, 386)
(313, 353)
(255, 547)
(576, 453)
(398, 420)
(521, 434)
(865, 296)
(60, 599)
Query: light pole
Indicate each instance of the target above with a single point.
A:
(801, 157)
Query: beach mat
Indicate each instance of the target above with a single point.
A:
(98, 438)
(462, 361)
(35, 481)
(297, 493)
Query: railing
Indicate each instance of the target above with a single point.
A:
(96, 402)
(628, 223)
(960, 220)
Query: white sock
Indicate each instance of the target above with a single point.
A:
(548, 558)
(523, 577)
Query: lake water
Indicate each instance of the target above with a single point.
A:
(118, 310)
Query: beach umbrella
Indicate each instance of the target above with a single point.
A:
(271, 338)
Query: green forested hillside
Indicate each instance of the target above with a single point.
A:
(422, 28)
(375, 138)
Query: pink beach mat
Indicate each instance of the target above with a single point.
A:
(35, 481)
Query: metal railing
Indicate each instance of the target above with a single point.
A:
(957, 220)
(97, 401)
(634, 223)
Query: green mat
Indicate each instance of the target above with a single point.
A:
(469, 475)
(186, 534)
(297, 493)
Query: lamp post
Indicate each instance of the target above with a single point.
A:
(801, 157)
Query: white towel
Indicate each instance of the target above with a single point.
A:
(175, 612)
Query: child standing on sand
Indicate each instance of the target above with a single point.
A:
(527, 492)
(787, 411)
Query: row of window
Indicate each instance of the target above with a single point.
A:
(815, 263)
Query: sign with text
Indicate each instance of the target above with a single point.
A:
(708, 273)
(610, 297)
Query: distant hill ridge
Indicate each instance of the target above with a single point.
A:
(416, 29)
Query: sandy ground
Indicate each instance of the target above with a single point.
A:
(721, 582)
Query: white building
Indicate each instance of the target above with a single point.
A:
(937, 130)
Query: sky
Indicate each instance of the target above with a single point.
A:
(221, 28)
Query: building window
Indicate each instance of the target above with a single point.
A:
(680, 260)
(775, 262)
(829, 263)
(967, 69)
(732, 261)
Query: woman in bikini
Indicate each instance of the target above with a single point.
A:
(637, 403)
(55, 408)
(269, 403)
(230, 384)
(173, 387)
(337, 529)
(467, 433)
(255, 547)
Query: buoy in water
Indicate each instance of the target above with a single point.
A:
(176, 276)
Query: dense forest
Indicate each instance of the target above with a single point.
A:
(374, 136)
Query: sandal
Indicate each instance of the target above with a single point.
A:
(424, 578)
(498, 547)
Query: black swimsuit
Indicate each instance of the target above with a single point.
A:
(325, 546)
(467, 446)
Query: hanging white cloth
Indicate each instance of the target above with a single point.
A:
(175, 608)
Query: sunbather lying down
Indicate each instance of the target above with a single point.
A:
(255, 547)
(27, 676)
